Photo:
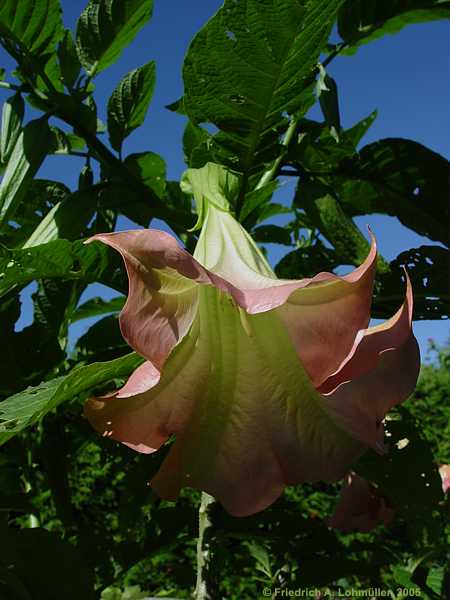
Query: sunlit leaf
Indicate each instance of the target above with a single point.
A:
(150, 169)
(40, 198)
(106, 27)
(256, 201)
(328, 216)
(34, 24)
(252, 64)
(98, 306)
(28, 153)
(68, 60)
(26, 408)
(59, 259)
(12, 116)
(129, 102)
(68, 219)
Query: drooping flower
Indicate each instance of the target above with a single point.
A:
(263, 382)
(361, 507)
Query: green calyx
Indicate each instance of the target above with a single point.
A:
(212, 185)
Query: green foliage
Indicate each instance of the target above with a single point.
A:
(272, 234)
(252, 63)
(106, 27)
(40, 198)
(59, 259)
(129, 102)
(29, 151)
(12, 116)
(330, 219)
(430, 402)
(363, 21)
(35, 25)
(68, 60)
(34, 563)
(28, 407)
(97, 306)
(403, 179)
(427, 268)
(150, 169)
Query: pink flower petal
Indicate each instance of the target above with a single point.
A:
(444, 472)
(226, 380)
(324, 316)
(327, 310)
(360, 508)
(246, 417)
(379, 373)
(370, 343)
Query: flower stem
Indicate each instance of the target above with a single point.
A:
(203, 586)
(273, 171)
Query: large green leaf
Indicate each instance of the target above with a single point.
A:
(252, 64)
(307, 262)
(272, 234)
(106, 27)
(41, 197)
(28, 153)
(362, 21)
(98, 306)
(35, 25)
(404, 179)
(59, 259)
(12, 115)
(256, 202)
(102, 341)
(67, 219)
(68, 60)
(428, 268)
(26, 408)
(53, 302)
(326, 213)
(129, 102)
(150, 169)
(318, 149)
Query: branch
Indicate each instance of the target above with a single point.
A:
(203, 587)
(337, 50)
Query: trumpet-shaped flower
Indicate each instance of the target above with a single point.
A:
(263, 382)
(361, 507)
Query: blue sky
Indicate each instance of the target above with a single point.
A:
(402, 76)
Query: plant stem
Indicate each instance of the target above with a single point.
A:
(273, 171)
(203, 588)
(10, 86)
(335, 53)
